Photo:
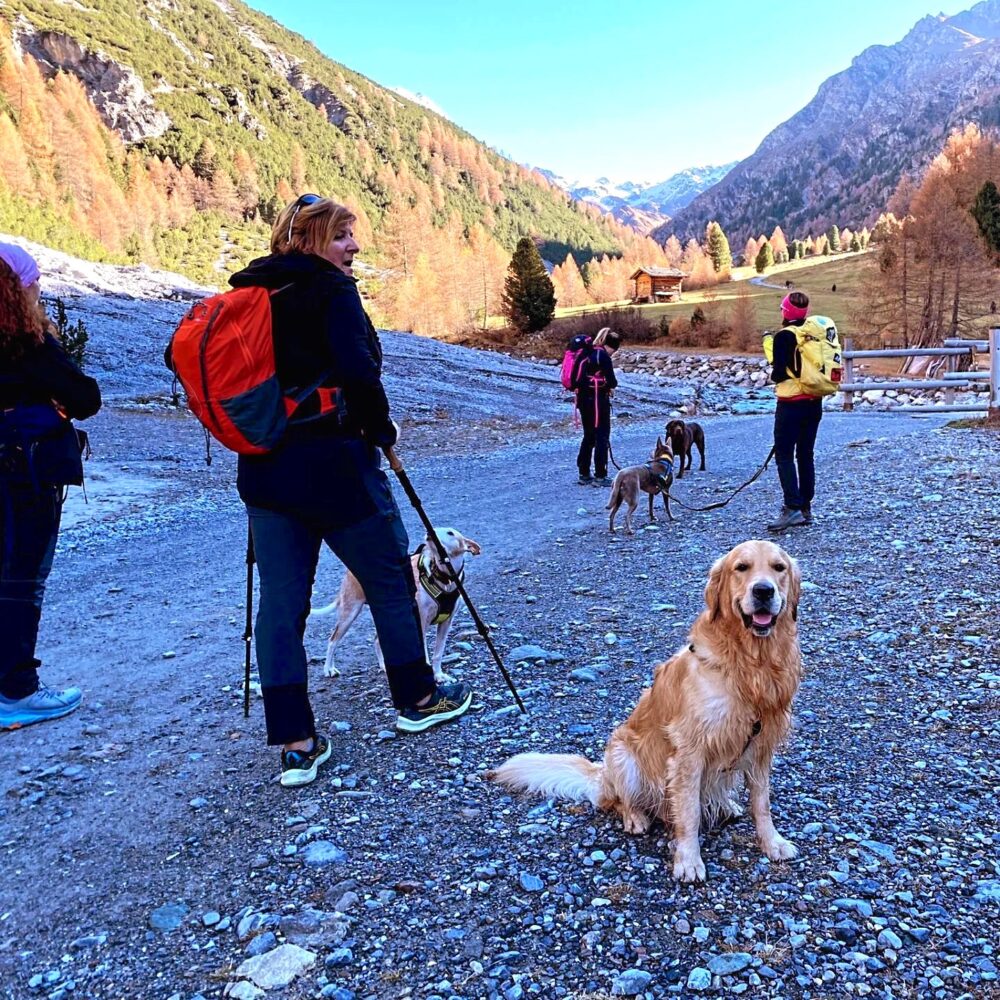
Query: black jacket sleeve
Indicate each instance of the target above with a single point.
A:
(49, 370)
(786, 358)
(354, 343)
(608, 370)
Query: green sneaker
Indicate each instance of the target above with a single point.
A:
(448, 701)
(299, 767)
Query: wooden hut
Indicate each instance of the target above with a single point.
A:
(658, 284)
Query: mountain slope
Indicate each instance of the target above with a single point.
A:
(224, 104)
(840, 157)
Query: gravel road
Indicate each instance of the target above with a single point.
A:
(148, 850)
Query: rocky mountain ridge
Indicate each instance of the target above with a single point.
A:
(840, 157)
(639, 204)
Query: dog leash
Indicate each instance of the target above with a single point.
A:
(397, 467)
(722, 503)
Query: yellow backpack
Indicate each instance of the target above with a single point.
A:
(821, 357)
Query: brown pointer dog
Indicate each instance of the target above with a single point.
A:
(654, 477)
(682, 436)
(714, 715)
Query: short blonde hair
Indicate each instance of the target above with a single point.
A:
(308, 227)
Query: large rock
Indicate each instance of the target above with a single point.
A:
(277, 968)
(116, 90)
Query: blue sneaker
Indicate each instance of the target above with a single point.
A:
(41, 706)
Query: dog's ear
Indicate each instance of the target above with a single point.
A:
(468, 545)
(794, 585)
(713, 589)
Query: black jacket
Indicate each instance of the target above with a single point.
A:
(321, 331)
(786, 358)
(597, 362)
(46, 374)
(38, 444)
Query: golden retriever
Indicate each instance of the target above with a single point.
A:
(714, 714)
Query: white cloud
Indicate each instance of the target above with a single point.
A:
(423, 101)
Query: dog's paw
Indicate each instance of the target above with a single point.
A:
(636, 823)
(779, 849)
(688, 866)
(440, 677)
(330, 670)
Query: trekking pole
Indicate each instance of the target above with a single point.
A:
(248, 631)
(397, 467)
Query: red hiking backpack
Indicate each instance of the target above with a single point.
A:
(222, 353)
(576, 347)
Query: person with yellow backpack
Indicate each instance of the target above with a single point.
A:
(806, 366)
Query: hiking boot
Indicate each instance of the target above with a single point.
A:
(602, 481)
(44, 704)
(585, 479)
(299, 767)
(790, 518)
(448, 701)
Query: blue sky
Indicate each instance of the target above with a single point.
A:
(631, 90)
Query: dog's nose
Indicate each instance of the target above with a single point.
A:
(763, 592)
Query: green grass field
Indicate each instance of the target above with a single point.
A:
(814, 276)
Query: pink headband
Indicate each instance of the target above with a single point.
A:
(788, 311)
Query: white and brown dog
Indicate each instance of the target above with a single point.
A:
(437, 597)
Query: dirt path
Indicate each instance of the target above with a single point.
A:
(159, 792)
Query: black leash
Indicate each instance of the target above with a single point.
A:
(397, 467)
(248, 631)
(739, 489)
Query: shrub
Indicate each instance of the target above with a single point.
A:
(629, 322)
(73, 336)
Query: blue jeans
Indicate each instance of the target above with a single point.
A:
(376, 551)
(29, 524)
(795, 426)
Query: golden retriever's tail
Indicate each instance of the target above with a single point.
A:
(614, 500)
(557, 775)
(328, 610)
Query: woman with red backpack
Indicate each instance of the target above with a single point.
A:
(323, 484)
(594, 381)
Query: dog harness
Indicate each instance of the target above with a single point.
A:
(664, 476)
(434, 586)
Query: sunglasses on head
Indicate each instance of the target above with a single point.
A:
(303, 200)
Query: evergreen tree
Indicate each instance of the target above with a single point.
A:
(765, 258)
(529, 300)
(986, 211)
(717, 247)
(206, 160)
(833, 239)
(855, 243)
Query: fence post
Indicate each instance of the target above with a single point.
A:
(848, 372)
(994, 410)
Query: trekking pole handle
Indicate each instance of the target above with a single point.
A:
(394, 463)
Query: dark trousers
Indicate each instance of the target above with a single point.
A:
(375, 550)
(595, 416)
(29, 524)
(795, 425)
